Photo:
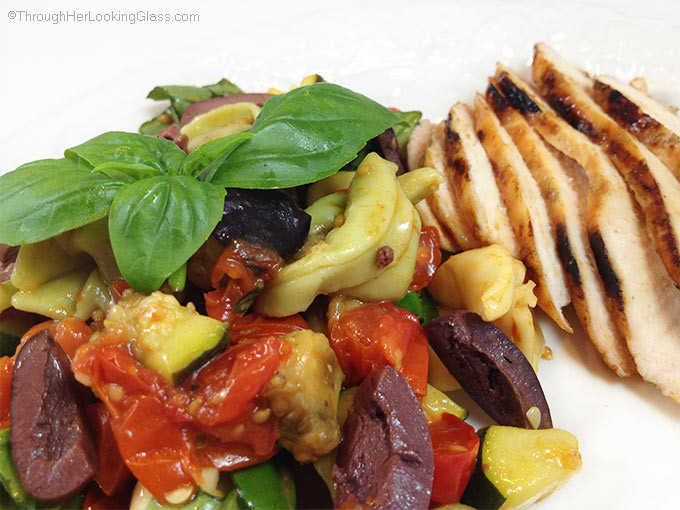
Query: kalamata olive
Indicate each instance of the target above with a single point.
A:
(385, 459)
(200, 107)
(267, 217)
(51, 444)
(490, 368)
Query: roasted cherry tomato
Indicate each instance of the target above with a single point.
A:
(246, 267)
(6, 367)
(455, 447)
(258, 326)
(95, 499)
(378, 334)
(167, 435)
(112, 472)
(70, 334)
(428, 258)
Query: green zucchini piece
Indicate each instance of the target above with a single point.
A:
(262, 486)
(171, 339)
(436, 402)
(202, 501)
(517, 467)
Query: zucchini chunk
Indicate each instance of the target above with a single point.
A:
(167, 337)
(516, 467)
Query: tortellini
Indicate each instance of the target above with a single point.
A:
(378, 216)
(64, 275)
(221, 121)
(490, 282)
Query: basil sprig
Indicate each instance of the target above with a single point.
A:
(181, 96)
(162, 204)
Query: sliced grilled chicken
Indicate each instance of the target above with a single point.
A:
(564, 187)
(527, 211)
(645, 303)
(654, 186)
(442, 202)
(418, 143)
(650, 122)
(473, 182)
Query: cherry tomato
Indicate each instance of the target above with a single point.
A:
(428, 258)
(167, 435)
(258, 326)
(117, 289)
(112, 472)
(6, 367)
(70, 334)
(247, 267)
(455, 452)
(378, 334)
(95, 499)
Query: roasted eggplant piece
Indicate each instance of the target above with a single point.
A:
(490, 368)
(267, 217)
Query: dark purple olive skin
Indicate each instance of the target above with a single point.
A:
(201, 107)
(270, 218)
(52, 446)
(489, 367)
(385, 459)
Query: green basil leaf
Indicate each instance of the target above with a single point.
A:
(156, 224)
(402, 130)
(153, 126)
(304, 135)
(181, 96)
(224, 88)
(204, 161)
(126, 172)
(47, 197)
(130, 148)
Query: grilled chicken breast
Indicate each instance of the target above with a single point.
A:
(641, 294)
(527, 211)
(650, 122)
(653, 185)
(442, 202)
(473, 182)
(418, 143)
(564, 187)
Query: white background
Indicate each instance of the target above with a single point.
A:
(63, 83)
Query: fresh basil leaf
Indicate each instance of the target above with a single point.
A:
(156, 224)
(126, 172)
(130, 148)
(47, 197)
(181, 96)
(419, 304)
(153, 126)
(204, 161)
(403, 129)
(224, 88)
(304, 135)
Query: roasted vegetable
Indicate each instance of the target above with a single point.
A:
(303, 395)
(266, 217)
(167, 337)
(516, 467)
(491, 368)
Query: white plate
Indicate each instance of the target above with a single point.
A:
(65, 82)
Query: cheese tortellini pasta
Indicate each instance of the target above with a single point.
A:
(490, 282)
(370, 248)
